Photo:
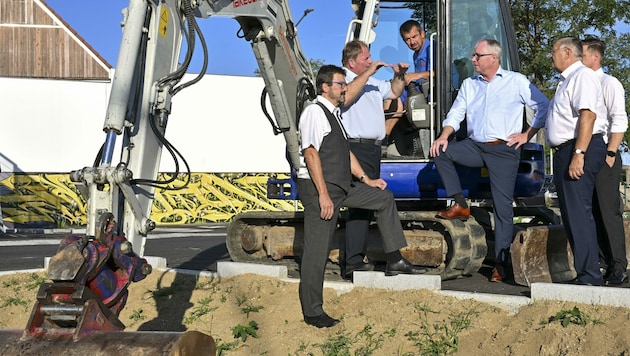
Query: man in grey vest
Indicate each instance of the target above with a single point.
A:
(325, 184)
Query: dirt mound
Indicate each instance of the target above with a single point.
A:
(254, 315)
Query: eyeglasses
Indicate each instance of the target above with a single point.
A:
(550, 54)
(477, 55)
(341, 84)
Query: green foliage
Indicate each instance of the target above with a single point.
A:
(370, 340)
(251, 309)
(240, 300)
(315, 65)
(137, 316)
(198, 311)
(225, 346)
(35, 281)
(336, 345)
(573, 316)
(365, 343)
(537, 23)
(15, 301)
(440, 338)
(164, 292)
(318, 63)
(243, 331)
(11, 283)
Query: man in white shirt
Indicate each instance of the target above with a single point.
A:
(364, 120)
(325, 184)
(606, 202)
(576, 125)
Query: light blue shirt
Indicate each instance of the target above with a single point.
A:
(365, 117)
(494, 110)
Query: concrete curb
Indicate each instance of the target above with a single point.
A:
(605, 296)
(610, 296)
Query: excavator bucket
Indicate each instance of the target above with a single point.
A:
(77, 313)
(542, 254)
(192, 343)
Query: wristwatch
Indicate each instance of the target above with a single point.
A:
(611, 153)
(362, 178)
(579, 151)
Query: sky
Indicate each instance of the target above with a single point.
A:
(321, 33)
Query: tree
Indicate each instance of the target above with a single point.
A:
(539, 22)
(315, 65)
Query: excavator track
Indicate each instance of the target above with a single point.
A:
(465, 242)
(453, 248)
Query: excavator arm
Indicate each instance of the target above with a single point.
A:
(148, 75)
(90, 274)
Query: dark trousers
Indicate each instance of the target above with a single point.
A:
(607, 211)
(318, 233)
(358, 223)
(575, 198)
(502, 163)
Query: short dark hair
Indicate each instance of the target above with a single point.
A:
(408, 25)
(325, 75)
(351, 50)
(595, 44)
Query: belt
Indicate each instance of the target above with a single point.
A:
(366, 140)
(495, 142)
(572, 141)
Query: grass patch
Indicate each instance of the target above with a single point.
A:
(137, 316)
(573, 316)
(244, 331)
(251, 309)
(440, 338)
(201, 310)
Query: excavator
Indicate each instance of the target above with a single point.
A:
(77, 312)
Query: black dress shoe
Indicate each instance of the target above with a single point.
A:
(321, 321)
(616, 279)
(579, 282)
(403, 266)
(363, 266)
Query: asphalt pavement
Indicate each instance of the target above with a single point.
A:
(199, 248)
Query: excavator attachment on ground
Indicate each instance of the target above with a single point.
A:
(542, 254)
(77, 313)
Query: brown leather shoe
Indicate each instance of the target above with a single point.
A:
(498, 274)
(456, 211)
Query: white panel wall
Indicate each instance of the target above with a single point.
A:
(56, 126)
(50, 125)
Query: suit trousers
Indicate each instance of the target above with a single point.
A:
(318, 233)
(502, 162)
(575, 198)
(608, 214)
(358, 224)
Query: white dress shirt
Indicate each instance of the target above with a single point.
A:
(614, 99)
(579, 89)
(314, 126)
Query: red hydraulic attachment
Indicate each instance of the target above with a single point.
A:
(77, 314)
